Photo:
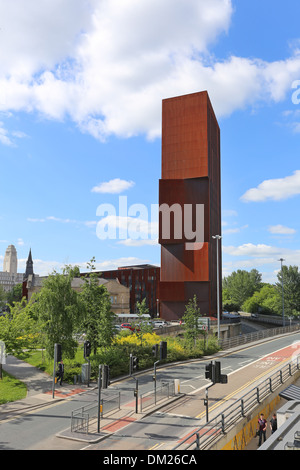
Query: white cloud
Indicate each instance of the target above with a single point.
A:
(274, 189)
(41, 35)
(135, 228)
(129, 242)
(108, 64)
(114, 186)
(281, 230)
(51, 218)
(263, 257)
(230, 231)
(249, 249)
(6, 137)
(252, 256)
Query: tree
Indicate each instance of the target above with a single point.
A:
(142, 326)
(191, 319)
(241, 285)
(291, 288)
(98, 320)
(15, 295)
(2, 297)
(17, 327)
(265, 301)
(58, 309)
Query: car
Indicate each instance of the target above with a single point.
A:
(159, 324)
(127, 325)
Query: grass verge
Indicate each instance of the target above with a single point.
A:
(11, 389)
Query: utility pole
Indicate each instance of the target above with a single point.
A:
(283, 320)
(99, 397)
(218, 237)
(133, 364)
(57, 358)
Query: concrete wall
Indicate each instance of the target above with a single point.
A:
(244, 431)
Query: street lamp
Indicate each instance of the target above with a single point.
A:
(218, 237)
(283, 321)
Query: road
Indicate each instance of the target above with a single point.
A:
(37, 430)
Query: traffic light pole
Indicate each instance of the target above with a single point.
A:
(54, 369)
(206, 400)
(136, 391)
(154, 377)
(99, 398)
(213, 372)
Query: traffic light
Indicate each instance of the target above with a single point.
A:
(155, 350)
(209, 371)
(217, 375)
(58, 352)
(87, 348)
(135, 363)
(163, 350)
(105, 376)
(223, 379)
(213, 372)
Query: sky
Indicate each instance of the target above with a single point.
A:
(81, 90)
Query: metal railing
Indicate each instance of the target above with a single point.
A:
(234, 341)
(164, 391)
(81, 417)
(209, 433)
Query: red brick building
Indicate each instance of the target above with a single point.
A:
(143, 282)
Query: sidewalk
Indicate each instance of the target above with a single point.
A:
(39, 388)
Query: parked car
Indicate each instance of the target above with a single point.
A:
(130, 327)
(159, 324)
(127, 325)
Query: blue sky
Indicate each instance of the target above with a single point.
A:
(81, 86)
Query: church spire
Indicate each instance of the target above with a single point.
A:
(29, 266)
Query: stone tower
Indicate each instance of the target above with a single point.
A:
(10, 263)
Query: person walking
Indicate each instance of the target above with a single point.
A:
(60, 374)
(273, 423)
(262, 429)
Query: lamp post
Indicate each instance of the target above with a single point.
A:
(218, 237)
(283, 321)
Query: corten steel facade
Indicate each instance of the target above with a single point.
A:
(143, 282)
(190, 175)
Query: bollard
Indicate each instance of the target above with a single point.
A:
(177, 386)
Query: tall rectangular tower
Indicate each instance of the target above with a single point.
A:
(190, 177)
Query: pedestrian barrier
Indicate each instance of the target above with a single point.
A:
(235, 341)
(164, 391)
(209, 433)
(81, 417)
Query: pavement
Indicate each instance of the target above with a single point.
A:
(40, 393)
(39, 388)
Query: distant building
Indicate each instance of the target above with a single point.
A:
(119, 294)
(10, 277)
(142, 281)
(10, 263)
(28, 276)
